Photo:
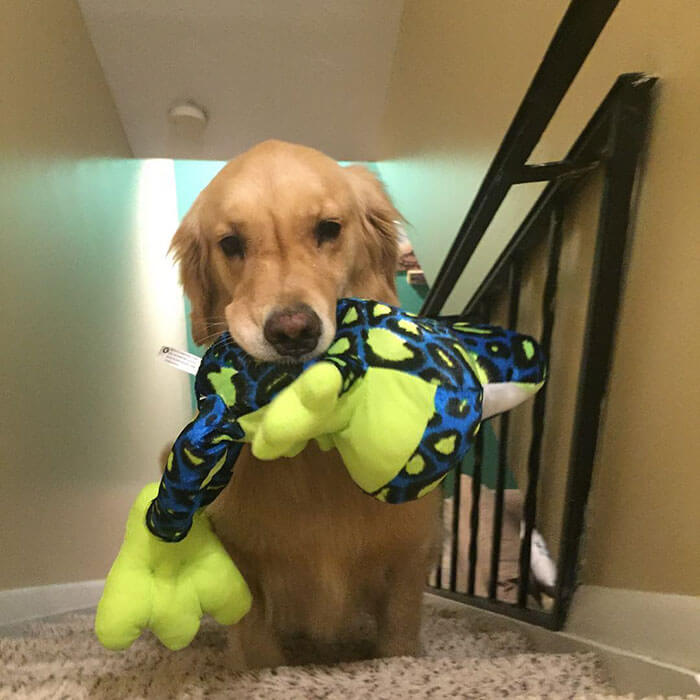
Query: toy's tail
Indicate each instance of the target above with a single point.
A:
(509, 365)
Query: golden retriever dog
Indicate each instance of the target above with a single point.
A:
(266, 250)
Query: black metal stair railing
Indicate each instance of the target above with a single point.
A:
(611, 144)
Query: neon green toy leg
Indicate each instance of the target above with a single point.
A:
(390, 412)
(307, 408)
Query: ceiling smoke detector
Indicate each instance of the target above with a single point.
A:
(188, 115)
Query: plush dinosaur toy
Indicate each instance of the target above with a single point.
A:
(400, 397)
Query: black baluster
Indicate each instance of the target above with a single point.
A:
(538, 411)
(513, 305)
(456, 505)
(474, 515)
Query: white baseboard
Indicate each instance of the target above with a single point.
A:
(661, 626)
(20, 604)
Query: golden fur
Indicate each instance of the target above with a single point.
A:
(317, 553)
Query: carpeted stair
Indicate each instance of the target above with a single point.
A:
(62, 659)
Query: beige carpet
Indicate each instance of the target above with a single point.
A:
(62, 659)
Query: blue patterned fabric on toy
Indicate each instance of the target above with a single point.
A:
(400, 397)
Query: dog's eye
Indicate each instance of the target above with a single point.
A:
(233, 246)
(327, 230)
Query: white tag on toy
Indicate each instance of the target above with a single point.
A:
(180, 359)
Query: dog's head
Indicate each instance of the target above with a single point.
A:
(276, 238)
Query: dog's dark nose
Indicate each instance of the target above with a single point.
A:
(293, 331)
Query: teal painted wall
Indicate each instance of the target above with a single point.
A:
(410, 297)
(87, 406)
(86, 301)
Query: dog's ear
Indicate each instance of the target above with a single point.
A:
(191, 254)
(379, 220)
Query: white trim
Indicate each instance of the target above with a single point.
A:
(20, 604)
(661, 626)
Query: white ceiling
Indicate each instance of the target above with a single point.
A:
(310, 71)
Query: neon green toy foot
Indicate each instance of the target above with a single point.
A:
(167, 587)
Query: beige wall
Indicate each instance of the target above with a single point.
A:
(55, 100)
(575, 265)
(85, 302)
(460, 71)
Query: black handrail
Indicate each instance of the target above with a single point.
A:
(577, 33)
(626, 139)
(611, 143)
